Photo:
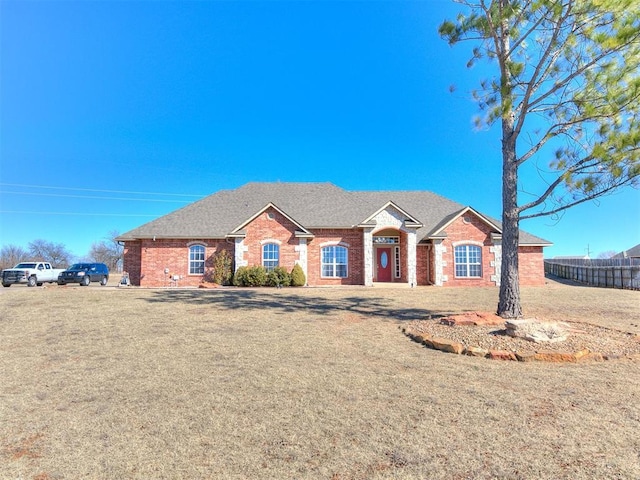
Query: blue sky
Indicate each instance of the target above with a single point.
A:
(114, 113)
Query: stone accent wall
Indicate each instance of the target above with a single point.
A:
(302, 256)
(368, 257)
(411, 259)
(389, 217)
(240, 250)
(497, 263)
(440, 250)
(354, 240)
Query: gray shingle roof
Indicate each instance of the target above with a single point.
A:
(633, 252)
(312, 205)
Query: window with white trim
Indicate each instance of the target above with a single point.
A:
(270, 256)
(397, 261)
(468, 261)
(196, 260)
(335, 261)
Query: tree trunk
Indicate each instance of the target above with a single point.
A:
(509, 301)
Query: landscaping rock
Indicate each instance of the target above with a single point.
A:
(582, 354)
(476, 352)
(424, 339)
(489, 318)
(472, 318)
(447, 345)
(535, 331)
(594, 357)
(501, 355)
(418, 337)
(551, 356)
(526, 356)
(585, 343)
(459, 320)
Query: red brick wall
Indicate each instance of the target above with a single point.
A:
(277, 228)
(354, 238)
(404, 255)
(476, 232)
(424, 255)
(146, 261)
(531, 265)
(282, 229)
(132, 261)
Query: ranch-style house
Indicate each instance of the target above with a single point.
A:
(338, 237)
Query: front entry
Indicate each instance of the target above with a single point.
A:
(383, 256)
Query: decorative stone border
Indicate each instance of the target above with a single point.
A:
(450, 346)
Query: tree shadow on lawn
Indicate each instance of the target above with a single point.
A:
(255, 300)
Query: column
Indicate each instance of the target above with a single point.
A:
(368, 257)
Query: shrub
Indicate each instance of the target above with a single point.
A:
(256, 276)
(278, 277)
(222, 267)
(250, 277)
(297, 276)
(239, 276)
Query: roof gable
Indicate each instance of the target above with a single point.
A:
(439, 232)
(239, 230)
(408, 220)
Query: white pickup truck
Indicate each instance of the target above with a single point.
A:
(31, 273)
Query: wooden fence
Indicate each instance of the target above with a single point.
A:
(606, 273)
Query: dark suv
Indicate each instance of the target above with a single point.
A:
(84, 274)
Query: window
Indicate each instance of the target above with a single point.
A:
(397, 259)
(196, 260)
(385, 240)
(468, 260)
(334, 262)
(270, 256)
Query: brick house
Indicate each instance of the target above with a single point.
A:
(338, 237)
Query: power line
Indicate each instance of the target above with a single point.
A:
(35, 194)
(129, 192)
(79, 214)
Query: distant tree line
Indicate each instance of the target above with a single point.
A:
(107, 251)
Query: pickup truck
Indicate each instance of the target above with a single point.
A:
(31, 273)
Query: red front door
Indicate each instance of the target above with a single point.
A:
(384, 264)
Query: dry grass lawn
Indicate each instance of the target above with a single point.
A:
(109, 383)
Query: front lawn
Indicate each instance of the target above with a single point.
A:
(307, 383)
